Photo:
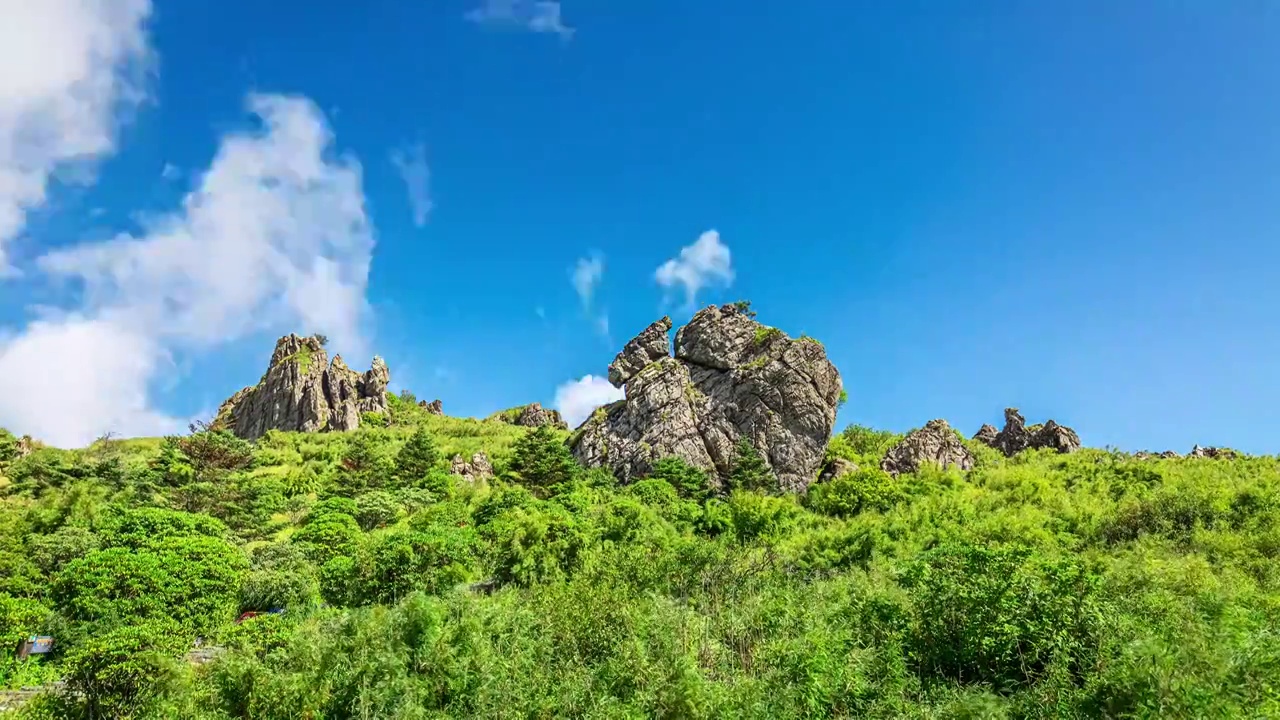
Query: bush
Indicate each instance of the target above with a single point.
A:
(1000, 615)
(120, 673)
(691, 482)
(377, 509)
(850, 494)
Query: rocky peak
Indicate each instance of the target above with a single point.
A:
(435, 407)
(534, 415)
(936, 442)
(302, 391)
(1016, 436)
(730, 378)
(650, 346)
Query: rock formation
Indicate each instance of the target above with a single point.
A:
(730, 378)
(532, 415)
(936, 442)
(1213, 453)
(1016, 436)
(435, 407)
(478, 468)
(302, 391)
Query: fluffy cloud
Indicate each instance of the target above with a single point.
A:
(71, 66)
(577, 399)
(705, 263)
(586, 276)
(412, 164)
(540, 16)
(274, 236)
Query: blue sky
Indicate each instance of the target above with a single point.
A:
(1067, 207)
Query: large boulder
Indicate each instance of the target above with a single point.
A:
(1016, 436)
(473, 470)
(935, 443)
(730, 378)
(303, 392)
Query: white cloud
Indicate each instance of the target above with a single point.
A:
(705, 263)
(540, 16)
(274, 237)
(69, 381)
(577, 399)
(170, 172)
(412, 164)
(586, 276)
(70, 67)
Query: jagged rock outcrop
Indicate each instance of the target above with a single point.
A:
(302, 391)
(936, 442)
(730, 378)
(1016, 436)
(435, 407)
(532, 415)
(477, 468)
(650, 346)
(1146, 455)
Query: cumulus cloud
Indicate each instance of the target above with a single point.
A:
(71, 67)
(586, 276)
(274, 236)
(413, 168)
(577, 399)
(705, 263)
(540, 16)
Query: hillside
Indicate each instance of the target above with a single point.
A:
(1043, 585)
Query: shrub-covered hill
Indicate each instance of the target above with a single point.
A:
(1043, 585)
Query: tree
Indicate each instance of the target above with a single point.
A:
(542, 461)
(691, 482)
(418, 456)
(749, 470)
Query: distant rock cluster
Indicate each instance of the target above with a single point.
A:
(1016, 436)
(730, 378)
(435, 407)
(935, 443)
(302, 391)
(533, 415)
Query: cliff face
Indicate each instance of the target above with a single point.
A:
(731, 378)
(302, 391)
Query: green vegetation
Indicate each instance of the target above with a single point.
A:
(1041, 586)
(764, 334)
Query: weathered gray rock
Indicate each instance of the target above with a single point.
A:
(435, 407)
(303, 392)
(478, 468)
(936, 443)
(835, 467)
(987, 435)
(649, 346)
(731, 378)
(534, 415)
(1016, 436)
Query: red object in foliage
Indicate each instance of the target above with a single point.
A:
(246, 616)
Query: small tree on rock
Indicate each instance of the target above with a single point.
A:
(749, 470)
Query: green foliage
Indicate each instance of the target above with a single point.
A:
(749, 471)
(542, 461)
(744, 307)
(1001, 615)
(374, 420)
(852, 493)
(689, 481)
(377, 509)
(417, 458)
(1039, 586)
(121, 673)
